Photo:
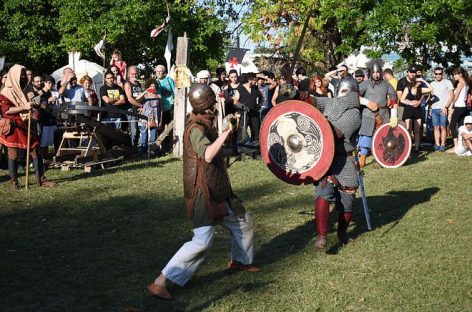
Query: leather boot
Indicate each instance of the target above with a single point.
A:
(362, 160)
(321, 221)
(344, 219)
(39, 172)
(13, 171)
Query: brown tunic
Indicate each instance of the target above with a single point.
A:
(206, 185)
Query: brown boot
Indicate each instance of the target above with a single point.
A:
(43, 182)
(320, 242)
(14, 184)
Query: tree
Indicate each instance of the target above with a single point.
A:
(418, 30)
(423, 31)
(40, 34)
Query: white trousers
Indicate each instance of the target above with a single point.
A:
(462, 151)
(187, 259)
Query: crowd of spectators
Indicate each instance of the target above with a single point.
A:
(439, 106)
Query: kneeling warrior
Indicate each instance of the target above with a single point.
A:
(340, 183)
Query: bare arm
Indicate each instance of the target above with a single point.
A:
(129, 95)
(213, 149)
(16, 110)
(275, 96)
(331, 74)
(428, 88)
(457, 91)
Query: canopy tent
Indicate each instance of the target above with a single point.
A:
(82, 68)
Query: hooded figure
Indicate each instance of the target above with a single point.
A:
(13, 105)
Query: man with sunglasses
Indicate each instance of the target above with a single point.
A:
(442, 96)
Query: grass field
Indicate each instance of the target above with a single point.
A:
(94, 242)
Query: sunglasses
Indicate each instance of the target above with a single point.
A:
(438, 74)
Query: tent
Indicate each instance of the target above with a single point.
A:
(82, 68)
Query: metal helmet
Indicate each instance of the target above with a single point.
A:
(346, 86)
(375, 67)
(201, 97)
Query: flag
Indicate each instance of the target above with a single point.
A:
(99, 47)
(156, 31)
(234, 59)
(169, 48)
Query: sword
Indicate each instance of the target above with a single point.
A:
(360, 178)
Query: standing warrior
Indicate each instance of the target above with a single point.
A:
(340, 183)
(208, 196)
(381, 92)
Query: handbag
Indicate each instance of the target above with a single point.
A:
(5, 126)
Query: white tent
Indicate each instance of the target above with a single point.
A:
(82, 68)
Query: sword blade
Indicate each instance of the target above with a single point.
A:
(364, 201)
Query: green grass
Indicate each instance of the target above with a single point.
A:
(94, 242)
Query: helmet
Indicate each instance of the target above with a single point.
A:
(346, 86)
(375, 67)
(201, 97)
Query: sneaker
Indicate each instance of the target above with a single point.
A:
(442, 148)
(436, 147)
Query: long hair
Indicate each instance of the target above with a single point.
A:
(463, 72)
(313, 81)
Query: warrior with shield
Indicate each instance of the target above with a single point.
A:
(379, 91)
(340, 182)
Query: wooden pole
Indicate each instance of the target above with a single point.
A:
(28, 150)
(299, 44)
(180, 103)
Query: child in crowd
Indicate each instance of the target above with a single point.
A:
(152, 108)
(464, 139)
(117, 60)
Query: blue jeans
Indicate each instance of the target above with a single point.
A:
(115, 122)
(365, 144)
(144, 140)
(438, 119)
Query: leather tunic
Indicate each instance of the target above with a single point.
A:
(210, 178)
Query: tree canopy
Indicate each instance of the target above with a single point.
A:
(39, 33)
(418, 30)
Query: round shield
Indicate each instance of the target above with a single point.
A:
(391, 146)
(297, 142)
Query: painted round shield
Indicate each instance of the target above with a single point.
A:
(297, 142)
(391, 146)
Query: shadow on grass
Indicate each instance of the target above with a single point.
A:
(386, 210)
(110, 249)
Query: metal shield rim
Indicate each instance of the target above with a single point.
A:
(377, 157)
(328, 142)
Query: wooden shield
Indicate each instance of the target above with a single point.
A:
(391, 146)
(297, 142)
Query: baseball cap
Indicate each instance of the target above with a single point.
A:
(468, 120)
(359, 73)
(413, 69)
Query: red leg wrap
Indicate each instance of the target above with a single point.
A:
(321, 216)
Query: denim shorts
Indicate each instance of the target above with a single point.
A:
(438, 120)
